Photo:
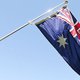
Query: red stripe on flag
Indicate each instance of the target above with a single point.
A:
(73, 32)
(77, 28)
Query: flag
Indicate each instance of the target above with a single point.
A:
(68, 17)
(57, 33)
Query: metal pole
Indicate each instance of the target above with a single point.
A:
(30, 22)
(16, 30)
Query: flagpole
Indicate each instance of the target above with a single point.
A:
(31, 21)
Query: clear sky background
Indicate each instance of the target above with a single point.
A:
(27, 55)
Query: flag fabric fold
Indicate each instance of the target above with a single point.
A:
(57, 32)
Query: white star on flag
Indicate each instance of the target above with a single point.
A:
(62, 41)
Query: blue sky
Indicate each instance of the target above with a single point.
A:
(27, 55)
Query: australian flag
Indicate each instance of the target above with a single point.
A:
(57, 32)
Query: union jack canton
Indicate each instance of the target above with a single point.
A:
(67, 16)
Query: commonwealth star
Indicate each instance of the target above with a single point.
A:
(62, 41)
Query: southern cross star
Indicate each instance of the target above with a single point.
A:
(62, 41)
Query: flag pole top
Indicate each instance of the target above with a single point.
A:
(66, 1)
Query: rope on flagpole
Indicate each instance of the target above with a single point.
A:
(31, 21)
